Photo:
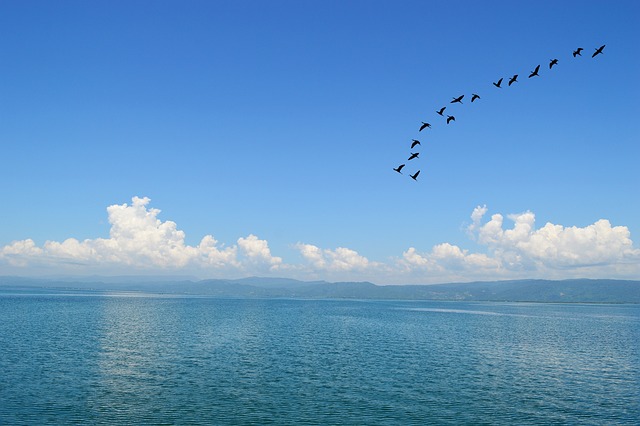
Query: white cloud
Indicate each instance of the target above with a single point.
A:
(555, 246)
(140, 241)
(553, 251)
(257, 251)
(18, 253)
(137, 239)
(340, 259)
(447, 262)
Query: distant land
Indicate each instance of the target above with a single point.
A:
(564, 291)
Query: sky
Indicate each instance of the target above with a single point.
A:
(225, 139)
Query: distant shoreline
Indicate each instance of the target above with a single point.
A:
(522, 291)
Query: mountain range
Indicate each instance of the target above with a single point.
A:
(564, 291)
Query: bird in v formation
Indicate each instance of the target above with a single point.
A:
(474, 97)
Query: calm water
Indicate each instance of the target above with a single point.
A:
(120, 359)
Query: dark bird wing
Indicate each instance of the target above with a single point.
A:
(424, 125)
(450, 118)
(441, 110)
(414, 155)
(498, 83)
(535, 72)
(399, 168)
(577, 52)
(415, 176)
(474, 97)
(552, 63)
(458, 99)
(513, 79)
(415, 142)
(598, 51)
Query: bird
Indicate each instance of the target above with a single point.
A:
(424, 125)
(450, 118)
(414, 155)
(474, 97)
(441, 110)
(534, 73)
(577, 52)
(598, 51)
(513, 79)
(458, 99)
(415, 142)
(415, 176)
(399, 168)
(498, 83)
(552, 63)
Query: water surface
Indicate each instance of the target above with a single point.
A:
(134, 358)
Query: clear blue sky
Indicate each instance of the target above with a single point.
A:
(277, 124)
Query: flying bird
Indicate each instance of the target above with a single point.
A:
(424, 125)
(450, 118)
(441, 110)
(415, 142)
(414, 155)
(474, 97)
(458, 99)
(598, 51)
(415, 176)
(513, 79)
(552, 63)
(498, 83)
(577, 52)
(534, 73)
(399, 168)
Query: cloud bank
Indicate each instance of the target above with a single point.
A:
(139, 242)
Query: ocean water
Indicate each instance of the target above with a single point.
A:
(143, 359)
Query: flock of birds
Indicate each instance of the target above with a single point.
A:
(474, 97)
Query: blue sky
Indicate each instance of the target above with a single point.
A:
(274, 128)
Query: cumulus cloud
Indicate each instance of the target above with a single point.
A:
(137, 239)
(257, 251)
(522, 251)
(448, 262)
(554, 246)
(512, 248)
(340, 259)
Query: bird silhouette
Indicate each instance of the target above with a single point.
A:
(534, 73)
(399, 168)
(513, 79)
(424, 125)
(415, 142)
(598, 51)
(413, 155)
(441, 110)
(415, 176)
(474, 97)
(552, 63)
(498, 83)
(577, 52)
(450, 118)
(458, 99)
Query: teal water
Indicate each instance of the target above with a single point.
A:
(120, 359)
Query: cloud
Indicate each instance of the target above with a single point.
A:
(340, 259)
(449, 263)
(137, 239)
(140, 242)
(554, 246)
(257, 251)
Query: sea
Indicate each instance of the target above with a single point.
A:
(132, 358)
